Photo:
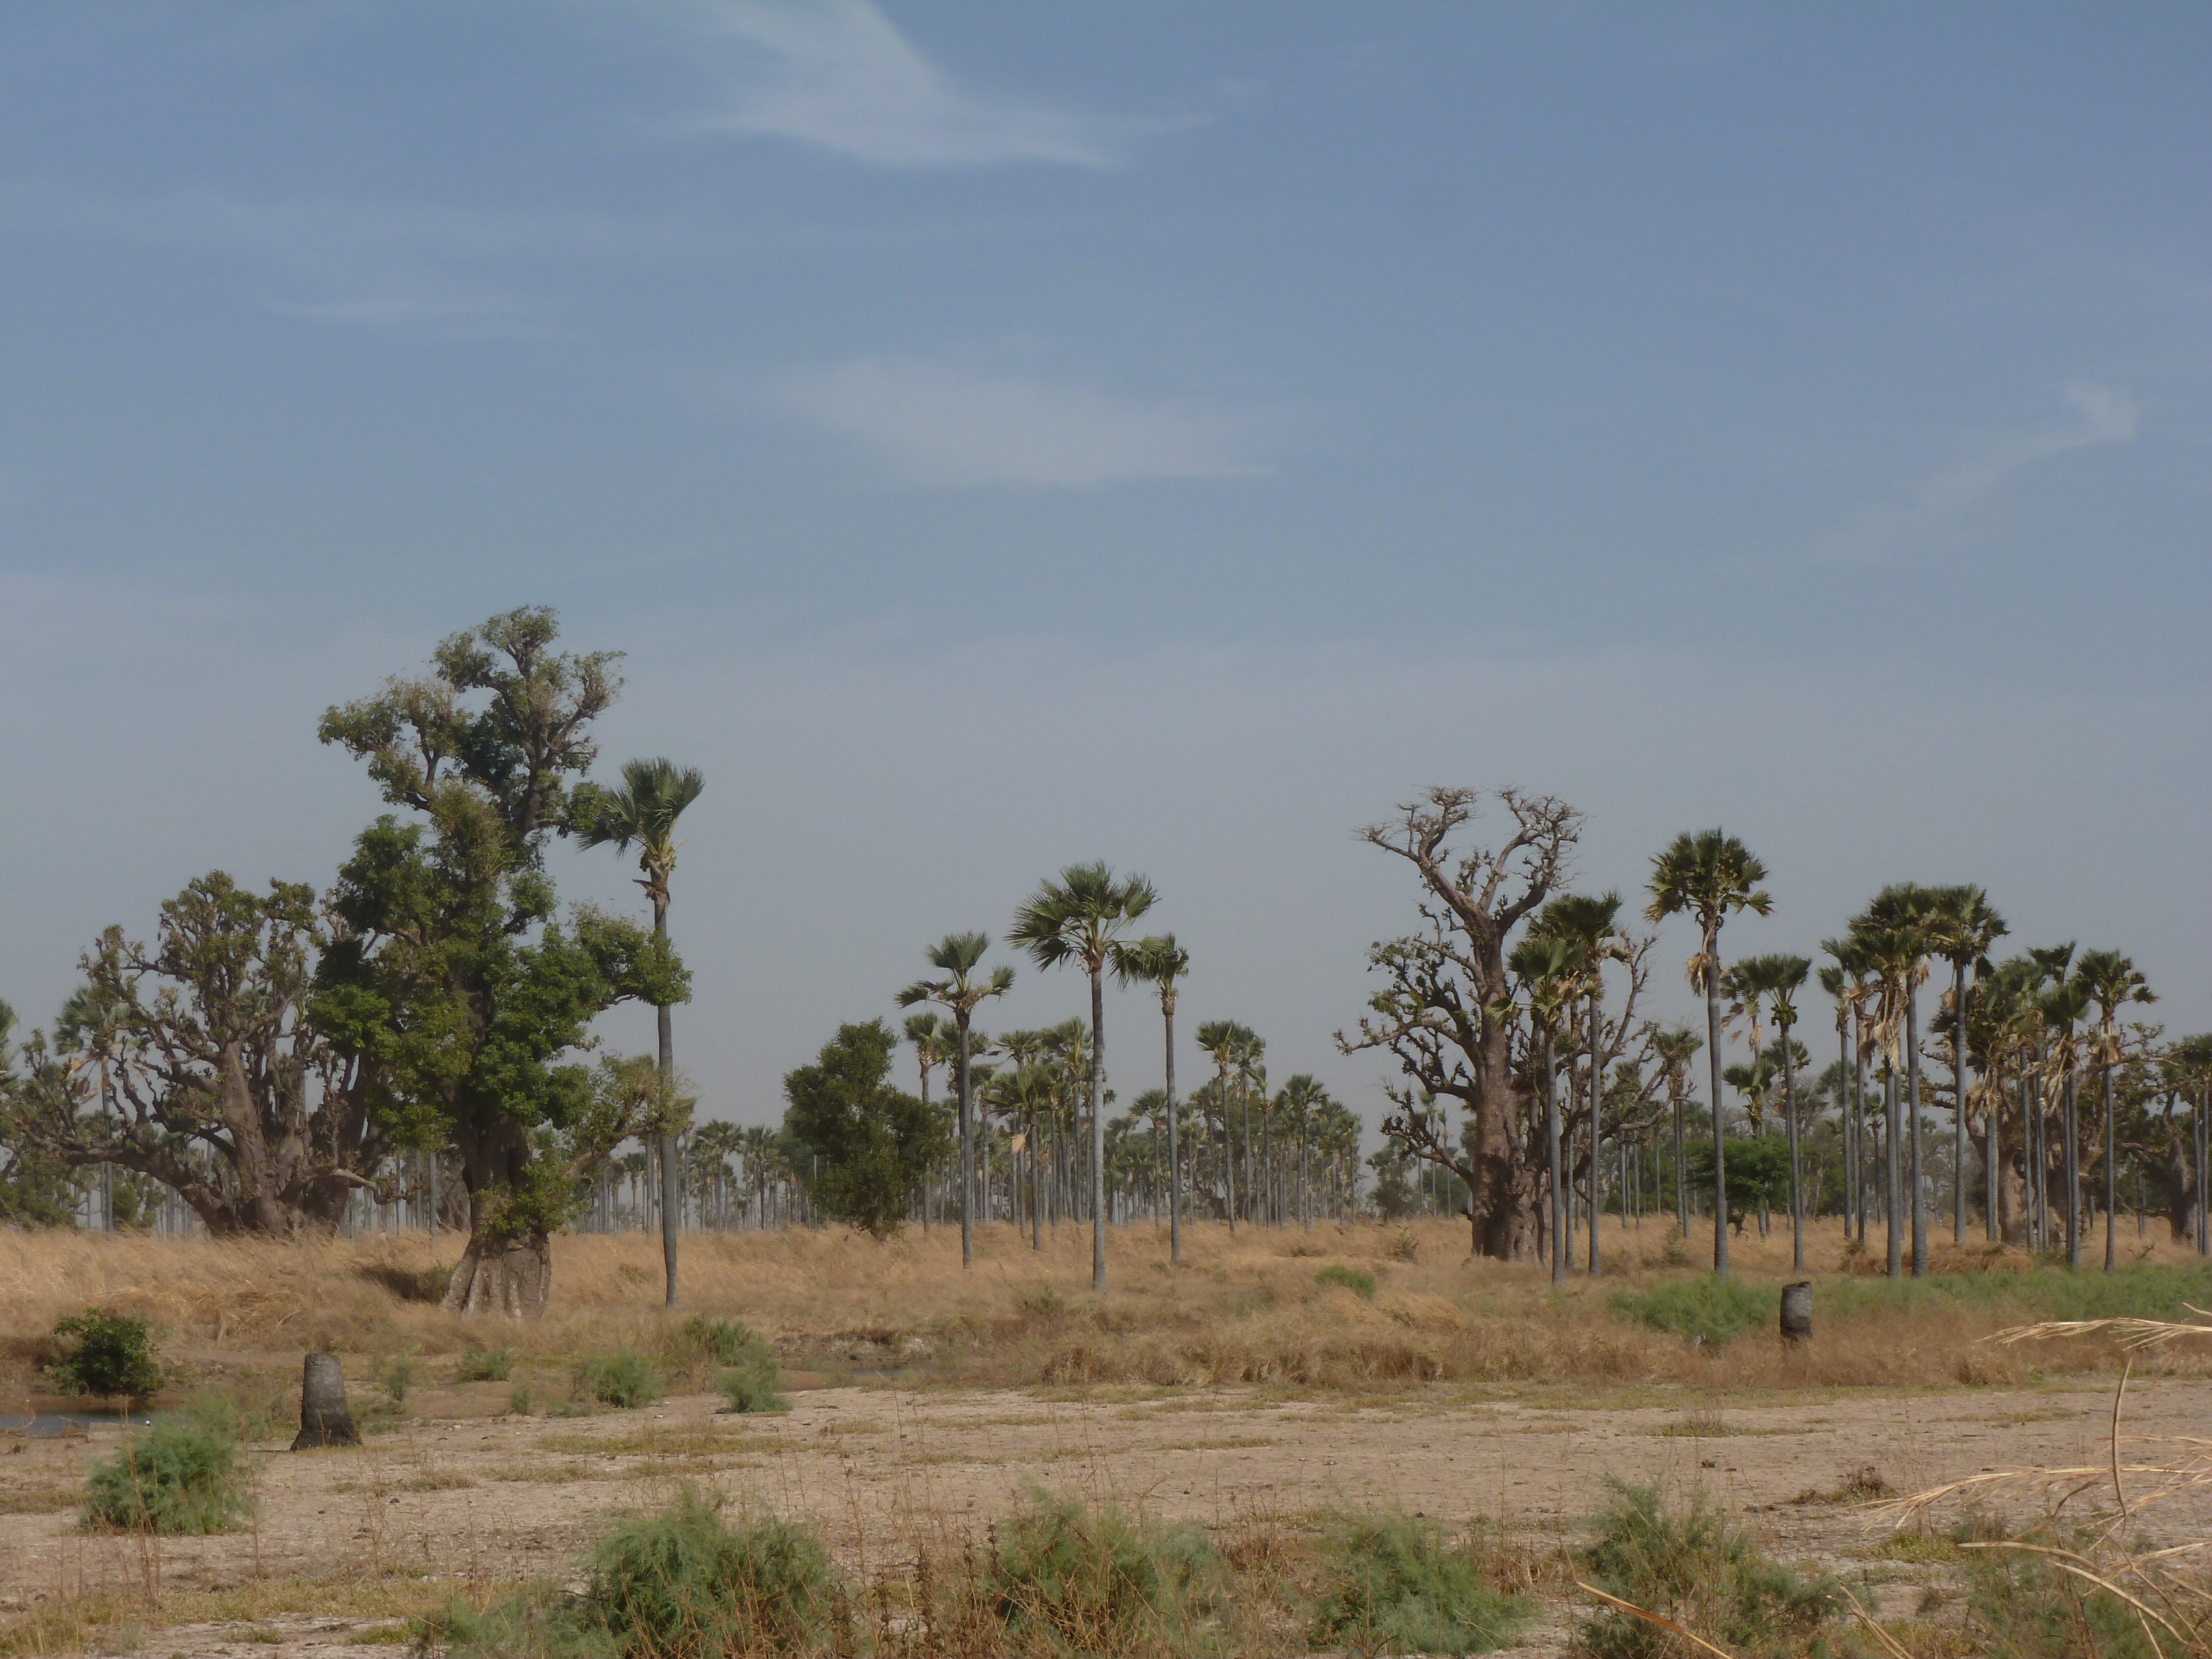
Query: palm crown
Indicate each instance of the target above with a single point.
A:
(958, 956)
(1706, 875)
(1079, 917)
(1155, 959)
(644, 810)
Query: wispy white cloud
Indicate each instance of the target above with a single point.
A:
(410, 269)
(950, 423)
(838, 74)
(1939, 507)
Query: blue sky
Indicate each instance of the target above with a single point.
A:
(1006, 435)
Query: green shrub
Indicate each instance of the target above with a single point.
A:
(519, 1399)
(1396, 1584)
(2022, 1607)
(688, 1584)
(485, 1365)
(1098, 1581)
(682, 1584)
(1697, 1572)
(750, 1380)
(109, 1354)
(726, 1341)
(396, 1376)
(623, 1378)
(176, 1476)
(539, 1622)
(1712, 1310)
(1361, 1284)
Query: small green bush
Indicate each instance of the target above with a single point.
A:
(1697, 1572)
(623, 1378)
(2022, 1607)
(750, 1380)
(485, 1365)
(1396, 1584)
(1713, 1310)
(177, 1477)
(754, 1387)
(1101, 1581)
(109, 1354)
(396, 1376)
(519, 1399)
(726, 1341)
(688, 1584)
(539, 1622)
(1361, 1284)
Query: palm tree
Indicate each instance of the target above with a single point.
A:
(1301, 1098)
(1545, 967)
(2112, 983)
(1590, 925)
(1961, 927)
(2062, 1008)
(1080, 919)
(958, 956)
(653, 797)
(1675, 1048)
(1159, 961)
(1225, 1039)
(932, 1040)
(1777, 979)
(1708, 875)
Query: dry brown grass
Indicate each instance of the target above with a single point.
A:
(1246, 1311)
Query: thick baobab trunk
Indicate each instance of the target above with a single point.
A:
(511, 1274)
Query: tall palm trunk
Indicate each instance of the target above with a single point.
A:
(1859, 1117)
(1796, 1205)
(1098, 1130)
(1958, 1087)
(1892, 1186)
(2111, 1165)
(1720, 1153)
(967, 1142)
(1681, 1185)
(1912, 1095)
(1552, 1142)
(1175, 1148)
(1596, 1096)
(671, 1196)
(2073, 1162)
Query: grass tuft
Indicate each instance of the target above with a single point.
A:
(1697, 1572)
(484, 1365)
(1396, 1585)
(624, 1378)
(1361, 1284)
(1101, 1581)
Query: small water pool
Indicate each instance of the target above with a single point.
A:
(47, 1425)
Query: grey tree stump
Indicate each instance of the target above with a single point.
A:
(1797, 1310)
(325, 1419)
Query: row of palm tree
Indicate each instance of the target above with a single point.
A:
(2019, 1037)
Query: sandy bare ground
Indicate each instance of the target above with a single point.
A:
(459, 1492)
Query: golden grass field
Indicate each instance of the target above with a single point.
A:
(1235, 1391)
